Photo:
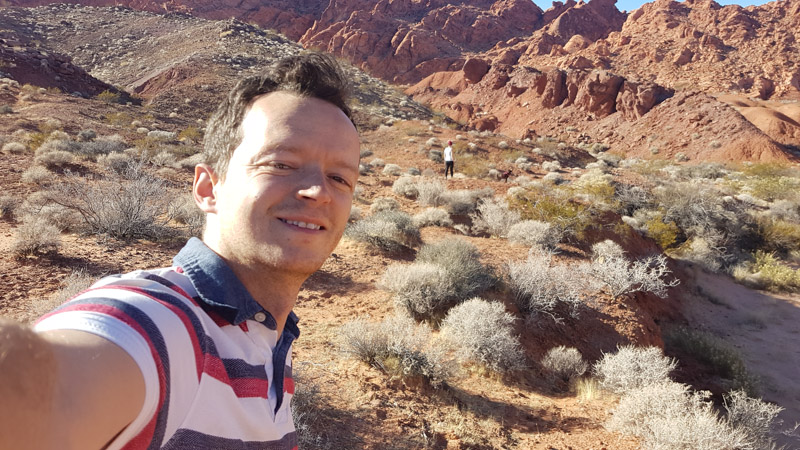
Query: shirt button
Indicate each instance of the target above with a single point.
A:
(260, 316)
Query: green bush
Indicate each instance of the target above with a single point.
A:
(108, 97)
(552, 205)
(665, 234)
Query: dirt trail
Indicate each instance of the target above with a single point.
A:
(765, 328)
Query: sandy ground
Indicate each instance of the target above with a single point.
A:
(765, 328)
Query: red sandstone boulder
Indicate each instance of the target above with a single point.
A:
(474, 69)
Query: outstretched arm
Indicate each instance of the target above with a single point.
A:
(64, 389)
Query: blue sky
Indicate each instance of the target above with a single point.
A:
(630, 5)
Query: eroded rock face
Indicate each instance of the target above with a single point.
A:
(635, 99)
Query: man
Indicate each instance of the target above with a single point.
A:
(448, 159)
(198, 355)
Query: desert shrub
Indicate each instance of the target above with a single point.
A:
(392, 169)
(716, 354)
(551, 166)
(443, 275)
(707, 250)
(54, 159)
(162, 135)
(753, 416)
(93, 149)
(539, 286)
(778, 235)
(436, 156)
(622, 276)
(387, 230)
(377, 162)
(117, 162)
(118, 119)
(632, 368)
(364, 153)
(598, 189)
(771, 188)
(565, 363)
(696, 206)
(669, 416)
(771, 274)
(405, 186)
(429, 191)
(37, 175)
(14, 148)
(632, 197)
(307, 414)
(185, 212)
(384, 204)
(494, 217)
(482, 332)
(552, 205)
(57, 145)
(190, 133)
(128, 205)
(7, 206)
(399, 347)
(6, 109)
(464, 201)
(108, 96)
(665, 234)
(433, 217)
(35, 236)
(533, 232)
(87, 135)
(462, 262)
(163, 159)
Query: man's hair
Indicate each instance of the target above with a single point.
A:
(309, 74)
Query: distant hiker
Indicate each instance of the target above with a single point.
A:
(448, 159)
(198, 355)
(504, 175)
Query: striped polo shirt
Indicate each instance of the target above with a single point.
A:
(217, 375)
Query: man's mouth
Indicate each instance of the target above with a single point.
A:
(297, 223)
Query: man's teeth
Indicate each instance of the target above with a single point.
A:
(310, 226)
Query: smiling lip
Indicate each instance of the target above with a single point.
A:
(305, 225)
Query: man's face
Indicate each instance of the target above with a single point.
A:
(286, 196)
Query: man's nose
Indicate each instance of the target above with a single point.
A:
(314, 186)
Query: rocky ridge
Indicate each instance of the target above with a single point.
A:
(175, 60)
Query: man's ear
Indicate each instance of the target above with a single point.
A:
(203, 188)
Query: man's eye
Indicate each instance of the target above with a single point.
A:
(341, 180)
(278, 165)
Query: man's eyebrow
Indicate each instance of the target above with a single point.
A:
(271, 149)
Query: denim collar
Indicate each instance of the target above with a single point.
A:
(220, 289)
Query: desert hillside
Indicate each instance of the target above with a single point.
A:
(641, 248)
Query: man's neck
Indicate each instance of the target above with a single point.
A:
(275, 292)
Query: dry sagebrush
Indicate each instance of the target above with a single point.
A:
(482, 332)
(632, 368)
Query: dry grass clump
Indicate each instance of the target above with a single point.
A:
(482, 332)
(753, 416)
(552, 205)
(429, 191)
(464, 201)
(115, 161)
(399, 347)
(443, 275)
(392, 170)
(632, 368)
(564, 363)
(93, 149)
(35, 236)
(389, 230)
(539, 286)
